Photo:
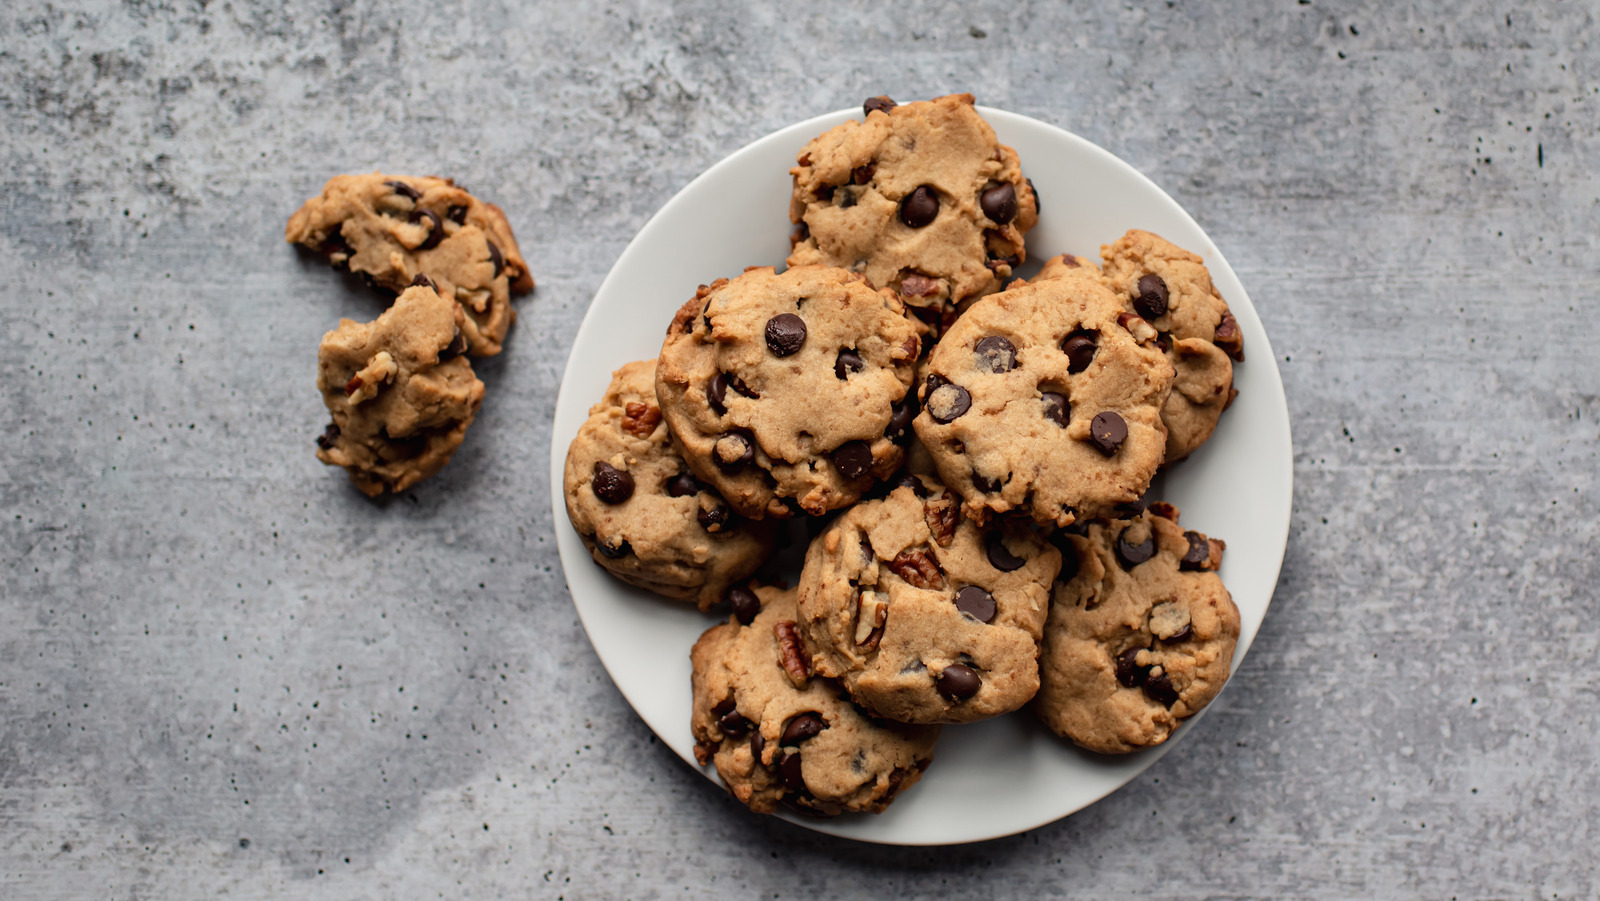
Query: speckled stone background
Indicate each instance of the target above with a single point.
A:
(225, 673)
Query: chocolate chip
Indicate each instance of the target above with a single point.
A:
(984, 483)
(757, 744)
(854, 459)
(733, 725)
(846, 198)
(900, 419)
(1000, 556)
(744, 604)
(495, 258)
(1159, 688)
(793, 780)
(849, 361)
(682, 485)
(920, 207)
(421, 281)
(1056, 408)
(329, 437)
(996, 354)
(863, 174)
(724, 706)
(976, 603)
(456, 347)
(803, 727)
(606, 550)
(999, 203)
(1180, 635)
(1198, 553)
(1151, 303)
(734, 450)
(404, 190)
(1069, 561)
(1129, 672)
(456, 213)
(915, 484)
(611, 484)
(948, 402)
(786, 334)
(880, 104)
(717, 393)
(958, 681)
(435, 228)
(1130, 554)
(714, 518)
(1079, 348)
(1107, 431)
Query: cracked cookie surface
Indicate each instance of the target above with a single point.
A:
(392, 228)
(782, 389)
(921, 198)
(777, 733)
(399, 390)
(1171, 289)
(1046, 398)
(1141, 633)
(643, 516)
(925, 616)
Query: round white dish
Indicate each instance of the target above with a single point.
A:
(988, 779)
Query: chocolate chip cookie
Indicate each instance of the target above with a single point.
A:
(1046, 398)
(777, 733)
(391, 229)
(1171, 289)
(920, 198)
(643, 515)
(925, 616)
(400, 392)
(783, 390)
(1140, 636)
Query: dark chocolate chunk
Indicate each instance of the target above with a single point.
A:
(920, 207)
(1198, 553)
(329, 437)
(1000, 556)
(1151, 302)
(976, 603)
(1159, 689)
(999, 203)
(435, 228)
(405, 190)
(714, 518)
(958, 682)
(1079, 348)
(880, 104)
(606, 550)
(996, 354)
(786, 334)
(948, 402)
(734, 450)
(457, 213)
(717, 393)
(1056, 408)
(984, 483)
(1130, 554)
(900, 419)
(793, 779)
(733, 725)
(803, 727)
(744, 603)
(495, 258)
(682, 485)
(421, 281)
(456, 347)
(854, 459)
(849, 361)
(1107, 431)
(610, 484)
(1129, 672)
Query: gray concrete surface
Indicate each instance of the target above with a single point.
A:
(224, 673)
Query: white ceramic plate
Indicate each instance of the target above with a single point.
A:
(1008, 774)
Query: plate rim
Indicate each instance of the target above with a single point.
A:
(801, 132)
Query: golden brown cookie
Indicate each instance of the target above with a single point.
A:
(400, 392)
(1141, 633)
(783, 390)
(643, 516)
(920, 198)
(1170, 288)
(925, 616)
(1046, 398)
(778, 733)
(391, 229)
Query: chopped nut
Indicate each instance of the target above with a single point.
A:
(1229, 338)
(364, 385)
(1164, 510)
(872, 611)
(915, 284)
(791, 654)
(639, 420)
(942, 514)
(476, 298)
(1141, 331)
(919, 568)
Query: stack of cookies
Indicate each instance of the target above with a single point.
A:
(971, 453)
(400, 390)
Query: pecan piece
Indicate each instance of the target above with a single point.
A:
(1164, 510)
(919, 568)
(790, 653)
(872, 609)
(942, 515)
(1229, 338)
(1141, 331)
(639, 420)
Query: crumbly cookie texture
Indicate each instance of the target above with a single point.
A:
(644, 517)
(786, 391)
(925, 616)
(1171, 289)
(400, 392)
(920, 198)
(1046, 398)
(393, 228)
(777, 733)
(1141, 633)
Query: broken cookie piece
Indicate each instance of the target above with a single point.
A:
(400, 393)
(392, 229)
